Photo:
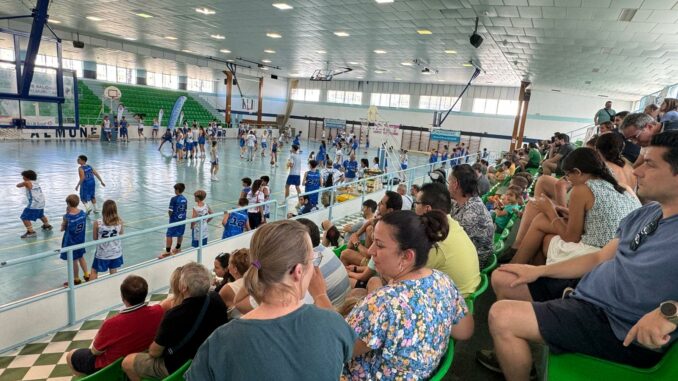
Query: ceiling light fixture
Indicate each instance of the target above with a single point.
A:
(144, 15)
(273, 35)
(450, 51)
(264, 68)
(379, 51)
(205, 11)
(424, 31)
(341, 34)
(354, 63)
(93, 18)
(398, 79)
(283, 6)
(627, 14)
(384, 1)
(321, 52)
(406, 63)
(217, 36)
(225, 51)
(380, 71)
(266, 61)
(130, 39)
(170, 38)
(269, 51)
(467, 65)
(53, 21)
(441, 80)
(359, 77)
(186, 51)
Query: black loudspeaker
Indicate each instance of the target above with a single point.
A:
(273, 76)
(19, 123)
(476, 40)
(78, 44)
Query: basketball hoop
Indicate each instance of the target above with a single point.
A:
(112, 93)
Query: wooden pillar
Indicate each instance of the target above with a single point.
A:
(516, 123)
(260, 103)
(523, 118)
(229, 92)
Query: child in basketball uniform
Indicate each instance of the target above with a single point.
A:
(246, 186)
(124, 134)
(140, 127)
(267, 195)
(180, 146)
(190, 145)
(274, 153)
(36, 204)
(202, 138)
(87, 184)
(242, 144)
(214, 161)
(177, 212)
(108, 255)
(444, 156)
(156, 128)
(74, 226)
(312, 182)
(236, 222)
(106, 127)
(264, 144)
(167, 137)
(200, 229)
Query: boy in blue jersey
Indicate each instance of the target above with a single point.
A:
(246, 187)
(87, 185)
(236, 222)
(36, 204)
(177, 212)
(444, 156)
(124, 132)
(74, 226)
(350, 168)
(312, 181)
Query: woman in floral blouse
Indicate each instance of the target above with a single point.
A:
(404, 327)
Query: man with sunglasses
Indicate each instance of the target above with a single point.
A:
(628, 278)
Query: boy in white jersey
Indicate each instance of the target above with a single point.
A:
(36, 204)
(109, 254)
(214, 161)
(200, 229)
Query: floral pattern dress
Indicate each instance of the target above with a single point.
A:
(407, 325)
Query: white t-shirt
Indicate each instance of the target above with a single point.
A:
(108, 250)
(296, 164)
(407, 202)
(250, 140)
(255, 199)
(36, 199)
(201, 228)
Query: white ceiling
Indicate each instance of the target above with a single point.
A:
(574, 46)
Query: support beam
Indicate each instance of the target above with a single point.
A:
(260, 103)
(521, 131)
(39, 21)
(516, 122)
(229, 93)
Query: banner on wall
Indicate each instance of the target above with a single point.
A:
(335, 123)
(176, 110)
(452, 136)
(382, 128)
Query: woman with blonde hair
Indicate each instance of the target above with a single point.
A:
(282, 337)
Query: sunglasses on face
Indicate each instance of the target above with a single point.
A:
(647, 230)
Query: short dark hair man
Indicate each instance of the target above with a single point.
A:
(130, 331)
(600, 314)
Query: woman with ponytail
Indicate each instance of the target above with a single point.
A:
(610, 147)
(597, 204)
(404, 327)
(282, 338)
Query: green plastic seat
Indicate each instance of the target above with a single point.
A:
(445, 363)
(178, 374)
(482, 287)
(491, 266)
(338, 250)
(498, 247)
(578, 367)
(112, 372)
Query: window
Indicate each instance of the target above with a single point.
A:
(428, 102)
(75, 65)
(390, 100)
(308, 95)
(507, 107)
(170, 81)
(673, 92)
(490, 106)
(348, 97)
(207, 86)
(7, 54)
(193, 84)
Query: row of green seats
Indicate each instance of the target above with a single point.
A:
(114, 372)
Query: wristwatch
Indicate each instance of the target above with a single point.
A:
(669, 311)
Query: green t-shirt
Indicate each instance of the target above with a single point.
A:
(605, 115)
(534, 158)
(502, 221)
(307, 344)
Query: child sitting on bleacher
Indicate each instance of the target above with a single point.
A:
(505, 209)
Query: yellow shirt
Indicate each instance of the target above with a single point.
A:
(457, 257)
(512, 169)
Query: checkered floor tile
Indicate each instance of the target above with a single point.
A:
(45, 359)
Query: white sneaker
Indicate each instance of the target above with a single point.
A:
(215, 178)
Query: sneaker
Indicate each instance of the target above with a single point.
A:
(76, 282)
(164, 254)
(86, 277)
(488, 359)
(47, 227)
(29, 235)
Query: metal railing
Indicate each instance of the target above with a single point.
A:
(407, 176)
